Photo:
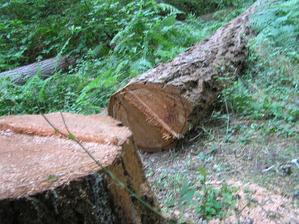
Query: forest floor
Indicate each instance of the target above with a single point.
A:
(260, 172)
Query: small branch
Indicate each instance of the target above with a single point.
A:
(268, 169)
(295, 162)
(228, 118)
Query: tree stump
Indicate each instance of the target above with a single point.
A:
(48, 178)
(161, 105)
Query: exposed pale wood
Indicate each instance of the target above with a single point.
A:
(161, 105)
(43, 68)
(46, 178)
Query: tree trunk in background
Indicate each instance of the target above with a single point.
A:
(161, 105)
(44, 68)
(46, 178)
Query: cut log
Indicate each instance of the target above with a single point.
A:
(161, 105)
(48, 178)
(44, 69)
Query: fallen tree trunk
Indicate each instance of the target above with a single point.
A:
(44, 69)
(47, 178)
(161, 105)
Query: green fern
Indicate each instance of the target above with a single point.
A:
(168, 8)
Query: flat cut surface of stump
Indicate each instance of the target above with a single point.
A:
(30, 164)
(48, 177)
(93, 128)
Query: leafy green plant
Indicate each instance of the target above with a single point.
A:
(195, 195)
(214, 202)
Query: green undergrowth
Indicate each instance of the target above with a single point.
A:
(269, 89)
(115, 41)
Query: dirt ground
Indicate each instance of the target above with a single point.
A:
(262, 168)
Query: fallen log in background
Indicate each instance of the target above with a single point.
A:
(43, 68)
(46, 178)
(161, 105)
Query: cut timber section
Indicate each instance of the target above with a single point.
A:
(47, 178)
(161, 105)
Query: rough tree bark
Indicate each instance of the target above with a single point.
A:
(47, 178)
(44, 68)
(161, 105)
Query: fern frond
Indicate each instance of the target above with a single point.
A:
(169, 8)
